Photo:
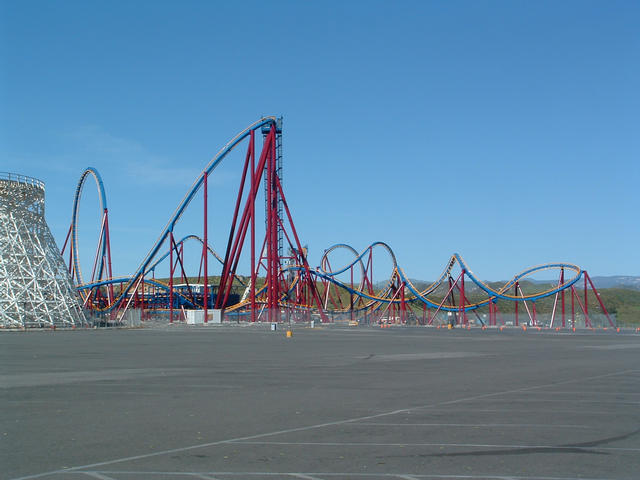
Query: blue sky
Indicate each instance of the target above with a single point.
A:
(507, 131)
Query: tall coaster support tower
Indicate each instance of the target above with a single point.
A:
(35, 286)
(278, 171)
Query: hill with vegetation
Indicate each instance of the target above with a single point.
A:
(624, 303)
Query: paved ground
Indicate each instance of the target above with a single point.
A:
(332, 403)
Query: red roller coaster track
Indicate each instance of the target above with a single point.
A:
(288, 282)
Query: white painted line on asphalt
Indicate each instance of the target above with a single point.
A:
(62, 378)
(313, 427)
(573, 401)
(524, 411)
(304, 476)
(586, 393)
(618, 346)
(394, 357)
(164, 385)
(359, 475)
(201, 476)
(474, 425)
(98, 476)
(525, 389)
(460, 445)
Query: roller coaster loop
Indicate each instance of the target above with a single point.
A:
(102, 260)
(281, 282)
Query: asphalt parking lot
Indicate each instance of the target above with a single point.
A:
(231, 402)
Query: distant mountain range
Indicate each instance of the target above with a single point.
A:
(613, 281)
(617, 281)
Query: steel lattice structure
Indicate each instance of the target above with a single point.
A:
(35, 287)
(282, 283)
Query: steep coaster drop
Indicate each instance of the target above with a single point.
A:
(281, 285)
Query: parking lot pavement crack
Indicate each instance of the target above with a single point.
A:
(605, 441)
(513, 451)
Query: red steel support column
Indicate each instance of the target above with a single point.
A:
(586, 300)
(403, 305)
(394, 307)
(305, 264)
(495, 312)
(274, 234)
(351, 294)
(516, 306)
(494, 308)
(136, 299)
(371, 270)
(534, 319)
(463, 301)
(171, 277)
(108, 241)
(66, 240)
(597, 294)
(449, 296)
(452, 300)
(573, 309)
(252, 291)
(490, 312)
(205, 252)
(234, 245)
(562, 296)
(272, 227)
(180, 258)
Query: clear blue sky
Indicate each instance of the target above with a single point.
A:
(508, 131)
